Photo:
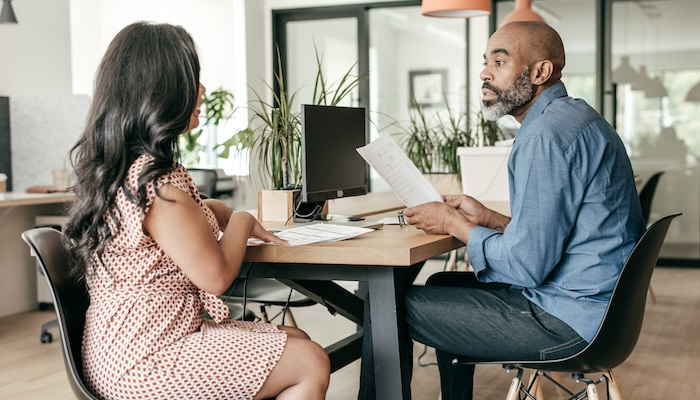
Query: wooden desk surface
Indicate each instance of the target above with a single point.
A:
(382, 202)
(10, 199)
(391, 246)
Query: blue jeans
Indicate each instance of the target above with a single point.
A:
(458, 315)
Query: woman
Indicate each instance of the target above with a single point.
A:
(146, 244)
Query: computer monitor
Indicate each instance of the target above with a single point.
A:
(331, 167)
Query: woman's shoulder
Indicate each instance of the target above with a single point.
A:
(177, 176)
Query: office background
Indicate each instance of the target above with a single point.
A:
(49, 60)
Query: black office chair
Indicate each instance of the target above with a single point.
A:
(267, 292)
(646, 197)
(71, 301)
(646, 194)
(205, 179)
(616, 337)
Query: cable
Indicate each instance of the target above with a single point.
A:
(504, 161)
(286, 306)
(245, 290)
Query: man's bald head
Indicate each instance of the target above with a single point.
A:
(536, 41)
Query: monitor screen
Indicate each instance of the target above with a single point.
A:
(331, 166)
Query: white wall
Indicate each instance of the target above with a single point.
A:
(36, 51)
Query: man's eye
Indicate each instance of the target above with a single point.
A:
(499, 62)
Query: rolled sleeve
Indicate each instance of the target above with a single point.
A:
(476, 249)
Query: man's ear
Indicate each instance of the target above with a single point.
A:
(541, 72)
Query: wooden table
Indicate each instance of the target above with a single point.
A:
(18, 282)
(385, 261)
(388, 260)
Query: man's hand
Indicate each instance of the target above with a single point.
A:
(439, 219)
(476, 212)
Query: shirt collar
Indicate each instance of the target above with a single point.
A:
(543, 100)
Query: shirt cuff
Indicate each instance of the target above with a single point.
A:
(476, 247)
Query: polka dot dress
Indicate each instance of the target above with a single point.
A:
(144, 333)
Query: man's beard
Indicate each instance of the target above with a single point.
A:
(508, 100)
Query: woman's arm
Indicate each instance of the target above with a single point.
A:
(181, 229)
(220, 210)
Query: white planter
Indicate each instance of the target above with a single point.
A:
(484, 172)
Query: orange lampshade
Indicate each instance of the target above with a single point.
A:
(456, 8)
(522, 12)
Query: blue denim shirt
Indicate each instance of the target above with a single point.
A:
(575, 213)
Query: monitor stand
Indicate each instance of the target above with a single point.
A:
(313, 211)
(307, 212)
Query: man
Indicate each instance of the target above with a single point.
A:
(543, 277)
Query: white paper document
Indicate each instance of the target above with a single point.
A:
(392, 164)
(316, 233)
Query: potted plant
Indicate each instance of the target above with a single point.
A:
(432, 139)
(275, 133)
(218, 106)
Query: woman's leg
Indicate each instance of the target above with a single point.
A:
(303, 371)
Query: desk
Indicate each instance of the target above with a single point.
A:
(388, 260)
(18, 289)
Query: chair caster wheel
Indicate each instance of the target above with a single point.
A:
(46, 337)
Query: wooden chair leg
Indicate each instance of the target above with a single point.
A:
(651, 293)
(452, 261)
(592, 391)
(613, 389)
(514, 389)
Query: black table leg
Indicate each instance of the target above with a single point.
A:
(386, 293)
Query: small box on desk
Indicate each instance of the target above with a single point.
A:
(276, 205)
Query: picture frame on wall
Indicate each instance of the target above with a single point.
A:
(427, 87)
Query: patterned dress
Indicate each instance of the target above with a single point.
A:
(145, 337)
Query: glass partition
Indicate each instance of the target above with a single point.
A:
(655, 63)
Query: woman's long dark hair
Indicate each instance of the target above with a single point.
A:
(146, 89)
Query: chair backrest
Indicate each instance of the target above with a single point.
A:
(205, 179)
(70, 298)
(622, 322)
(646, 195)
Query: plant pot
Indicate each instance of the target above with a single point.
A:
(484, 172)
(276, 205)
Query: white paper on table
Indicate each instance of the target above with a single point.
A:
(316, 233)
(392, 164)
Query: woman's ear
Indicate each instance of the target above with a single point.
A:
(541, 72)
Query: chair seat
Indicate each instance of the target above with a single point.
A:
(267, 291)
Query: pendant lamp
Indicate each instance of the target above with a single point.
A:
(656, 90)
(523, 12)
(693, 93)
(456, 8)
(7, 15)
(643, 82)
(624, 73)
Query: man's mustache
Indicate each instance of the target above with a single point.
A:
(488, 86)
